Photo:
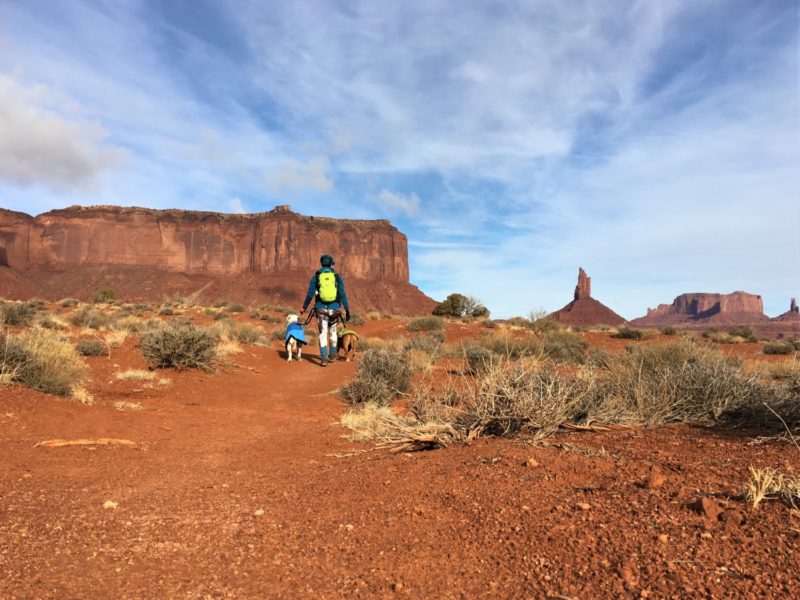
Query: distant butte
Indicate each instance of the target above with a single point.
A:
(149, 255)
(585, 311)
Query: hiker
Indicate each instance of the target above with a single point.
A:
(327, 287)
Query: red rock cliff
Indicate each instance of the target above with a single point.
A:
(275, 247)
(735, 307)
(200, 242)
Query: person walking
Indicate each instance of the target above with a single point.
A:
(327, 288)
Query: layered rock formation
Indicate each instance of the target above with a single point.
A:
(735, 308)
(585, 311)
(145, 254)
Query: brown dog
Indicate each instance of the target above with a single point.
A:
(348, 339)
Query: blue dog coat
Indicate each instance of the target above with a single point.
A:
(295, 330)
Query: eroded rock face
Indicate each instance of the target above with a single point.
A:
(201, 242)
(735, 307)
(276, 250)
(584, 287)
(793, 306)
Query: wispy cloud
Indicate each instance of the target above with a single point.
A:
(654, 143)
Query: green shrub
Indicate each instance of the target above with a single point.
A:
(218, 316)
(432, 323)
(91, 348)
(269, 318)
(16, 314)
(180, 345)
(220, 304)
(669, 330)
(379, 377)
(778, 348)
(104, 295)
(166, 311)
(67, 302)
(254, 314)
(458, 306)
(41, 360)
(430, 344)
(744, 331)
(235, 308)
(629, 333)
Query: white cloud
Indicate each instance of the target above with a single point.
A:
(235, 206)
(39, 146)
(394, 202)
(294, 175)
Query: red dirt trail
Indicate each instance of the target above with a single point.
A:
(244, 487)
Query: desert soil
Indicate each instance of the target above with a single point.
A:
(243, 485)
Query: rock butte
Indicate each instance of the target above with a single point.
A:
(738, 307)
(147, 255)
(585, 311)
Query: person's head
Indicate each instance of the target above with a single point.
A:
(326, 260)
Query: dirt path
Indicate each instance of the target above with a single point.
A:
(242, 489)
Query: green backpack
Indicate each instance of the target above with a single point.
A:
(327, 288)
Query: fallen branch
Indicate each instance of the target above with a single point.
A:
(609, 427)
(86, 442)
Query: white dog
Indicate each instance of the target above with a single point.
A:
(295, 338)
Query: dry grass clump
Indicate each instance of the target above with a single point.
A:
(371, 422)
(373, 315)
(421, 351)
(82, 395)
(430, 323)
(41, 360)
(53, 322)
(228, 330)
(180, 345)
(380, 376)
(394, 344)
(115, 339)
(135, 375)
(16, 314)
(123, 405)
(768, 484)
(559, 345)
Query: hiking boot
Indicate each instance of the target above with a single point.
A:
(324, 362)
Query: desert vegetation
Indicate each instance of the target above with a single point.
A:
(460, 306)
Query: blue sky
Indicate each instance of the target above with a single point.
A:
(654, 143)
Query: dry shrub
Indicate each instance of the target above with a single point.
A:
(180, 345)
(628, 333)
(421, 351)
(479, 359)
(674, 382)
(564, 346)
(122, 405)
(431, 323)
(82, 395)
(41, 360)
(91, 348)
(373, 315)
(510, 398)
(379, 377)
(370, 422)
(779, 348)
(92, 318)
(16, 314)
(52, 322)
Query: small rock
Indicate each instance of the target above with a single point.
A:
(349, 527)
(656, 478)
(663, 538)
(532, 463)
(732, 518)
(259, 512)
(584, 505)
(110, 504)
(525, 507)
(709, 508)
